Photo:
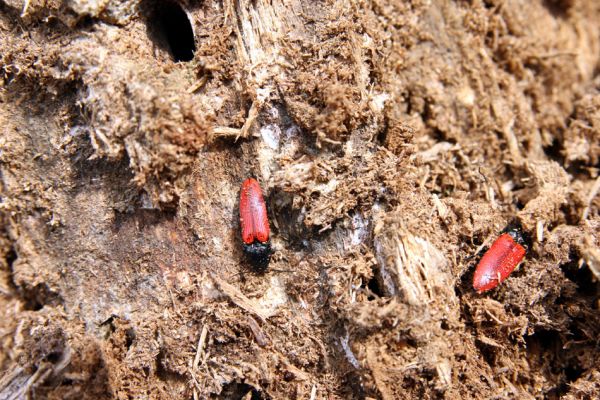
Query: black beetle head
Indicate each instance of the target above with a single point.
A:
(516, 233)
(259, 254)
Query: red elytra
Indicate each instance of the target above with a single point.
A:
(498, 263)
(253, 213)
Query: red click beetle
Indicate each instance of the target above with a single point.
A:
(255, 224)
(499, 261)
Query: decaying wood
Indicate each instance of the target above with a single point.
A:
(394, 140)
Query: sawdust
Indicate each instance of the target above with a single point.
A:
(394, 140)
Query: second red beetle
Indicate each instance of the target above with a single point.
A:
(499, 261)
(254, 223)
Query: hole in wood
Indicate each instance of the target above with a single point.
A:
(172, 29)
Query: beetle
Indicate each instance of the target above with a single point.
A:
(254, 223)
(500, 260)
